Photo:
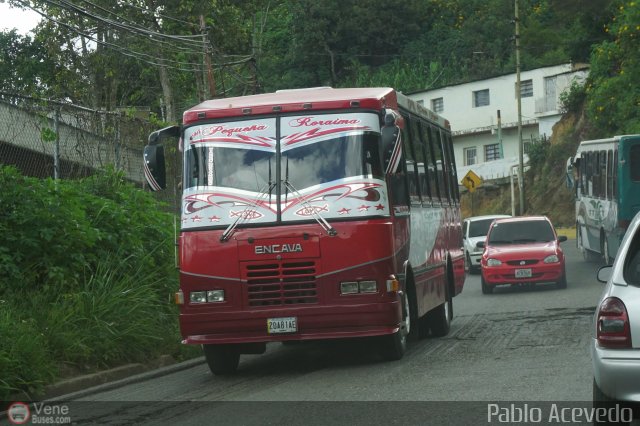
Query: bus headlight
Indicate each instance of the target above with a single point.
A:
(368, 286)
(215, 296)
(209, 296)
(198, 297)
(349, 287)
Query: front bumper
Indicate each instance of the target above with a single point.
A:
(506, 274)
(475, 260)
(617, 372)
(314, 323)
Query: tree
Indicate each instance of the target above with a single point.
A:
(613, 87)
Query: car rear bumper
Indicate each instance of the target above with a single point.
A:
(314, 323)
(617, 372)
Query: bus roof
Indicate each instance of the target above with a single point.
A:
(601, 143)
(294, 100)
(315, 98)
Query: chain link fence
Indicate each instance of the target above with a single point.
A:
(45, 138)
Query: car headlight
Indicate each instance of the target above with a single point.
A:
(493, 262)
(551, 259)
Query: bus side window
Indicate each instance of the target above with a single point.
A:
(432, 162)
(419, 146)
(452, 167)
(609, 174)
(441, 166)
(399, 194)
(412, 171)
(577, 176)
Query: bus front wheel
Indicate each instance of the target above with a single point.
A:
(394, 346)
(222, 359)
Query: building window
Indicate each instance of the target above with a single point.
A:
(526, 88)
(481, 98)
(470, 156)
(491, 152)
(437, 105)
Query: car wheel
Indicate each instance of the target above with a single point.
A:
(486, 289)
(394, 346)
(563, 281)
(467, 265)
(222, 359)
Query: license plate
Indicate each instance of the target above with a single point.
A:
(523, 273)
(282, 325)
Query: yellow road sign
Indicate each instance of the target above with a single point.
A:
(471, 181)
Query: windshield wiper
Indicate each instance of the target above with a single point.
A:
(245, 213)
(311, 209)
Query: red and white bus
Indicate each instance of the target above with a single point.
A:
(314, 214)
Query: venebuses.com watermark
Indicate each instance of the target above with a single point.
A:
(20, 413)
(556, 413)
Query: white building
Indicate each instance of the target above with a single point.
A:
(473, 109)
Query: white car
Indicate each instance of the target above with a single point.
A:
(615, 345)
(474, 229)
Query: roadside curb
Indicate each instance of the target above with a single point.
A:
(89, 384)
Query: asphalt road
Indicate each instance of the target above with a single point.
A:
(517, 346)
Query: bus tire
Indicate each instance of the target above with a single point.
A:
(605, 250)
(440, 320)
(587, 254)
(222, 359)
(393, 346)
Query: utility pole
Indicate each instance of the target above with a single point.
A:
(207, 58)
(520, 147)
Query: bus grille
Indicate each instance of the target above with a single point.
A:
(283, 283)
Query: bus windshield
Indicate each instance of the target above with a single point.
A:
(327, 164)
(332, 159)
(236, 168)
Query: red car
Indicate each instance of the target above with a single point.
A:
(522, 250)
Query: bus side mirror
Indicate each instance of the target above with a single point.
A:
(154, 168)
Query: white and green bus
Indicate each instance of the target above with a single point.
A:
(605, 175)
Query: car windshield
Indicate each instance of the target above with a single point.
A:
(521, 232)
(479, 228)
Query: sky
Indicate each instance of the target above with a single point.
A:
(23, 20)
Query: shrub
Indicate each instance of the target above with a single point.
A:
(86, 277)
(25, 363)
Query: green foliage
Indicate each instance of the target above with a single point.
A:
(121, 312)
(572, 99)
(613, 88)
(538, 152)
(86, 273)
(25, 365)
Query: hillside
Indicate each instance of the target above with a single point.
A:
(545, 182)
